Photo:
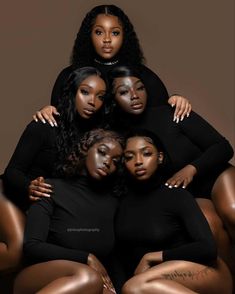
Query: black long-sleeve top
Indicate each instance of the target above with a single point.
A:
(191, 141)
(157, 93)
(77, 220)
(34, 156)
(152, 219)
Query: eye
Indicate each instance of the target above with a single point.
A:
(128, 157)
(98, 32)
(102, 151)
(101, 97)
(116, 161)
(147, 153)
(116, 33)
(84, 92)
(141, 88)
(123, 92)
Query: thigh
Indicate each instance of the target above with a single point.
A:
(37, 276)
(197, 277)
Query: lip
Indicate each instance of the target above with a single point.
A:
(107, 49)
(102, 172)
(137, 106)
(88, 111)
(140, 172)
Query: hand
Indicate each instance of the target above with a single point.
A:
(182, 177)
(147, 261)
(38, 189)
(94, 263)
(182, 107)
(47, 114)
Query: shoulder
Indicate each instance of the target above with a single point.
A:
(64, 73)
(39, 128)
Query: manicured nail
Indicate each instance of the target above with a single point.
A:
(175, 186)
(170, 186)
(187, 114)
(43, 120)
(166, 184)
(51, 123)
(177, 120)
(182, 117)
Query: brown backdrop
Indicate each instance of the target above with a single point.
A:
(190, 44)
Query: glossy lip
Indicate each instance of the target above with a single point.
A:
(102, 172)
(107, 49)
(137, 106)
(89, 111)
(140, 171)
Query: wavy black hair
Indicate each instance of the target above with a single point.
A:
(75, 162)
(83, 53)
(71, 125)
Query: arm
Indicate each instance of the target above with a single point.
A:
(216, 150)
(202, 247)
(36, 247)
(16, 175)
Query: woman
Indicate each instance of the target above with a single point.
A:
(38, 149)
(69, 237)
(40, 145)
(165, 239)
(106, 39)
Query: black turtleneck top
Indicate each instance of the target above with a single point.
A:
(77, 220)
(157, 93)
(154, 218)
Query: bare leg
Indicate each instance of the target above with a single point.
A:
(181, 277)
(60, 277)
(223, 241)
(12, 222)
(223, 196)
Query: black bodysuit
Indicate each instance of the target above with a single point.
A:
(77, 220)
(154, 219)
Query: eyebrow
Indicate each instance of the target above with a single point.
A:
(140, 149)
(85, 85)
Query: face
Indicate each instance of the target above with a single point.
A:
(141, 158)
(102, 158)
(130, 94)
(90, 96)
(107, 35)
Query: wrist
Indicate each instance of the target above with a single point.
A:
(193, 169)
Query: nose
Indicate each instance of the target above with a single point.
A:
(91, 100)
(138, 160)
(133, 94)
(107, 162)
(107, 38)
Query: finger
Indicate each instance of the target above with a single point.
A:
(177, 109)
(186, 112)
(180, 107)
(35, 118)
(40, 117)
(47, 117)
(33, 199)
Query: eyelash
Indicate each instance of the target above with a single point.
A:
(115, 33)
(84, 92)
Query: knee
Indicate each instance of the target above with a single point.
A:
(89, 278)
(133, 286)
(228, 214)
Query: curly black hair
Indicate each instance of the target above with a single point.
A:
(76, 160)
(71, 125)
(83, 53)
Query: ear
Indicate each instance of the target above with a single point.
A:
(160, 157)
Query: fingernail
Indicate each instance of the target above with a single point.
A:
(172, 105)
(177, 120)
(36, 119)
(187, 114)
(47, 195)
(175, 186)
(170, 186)
(44, 121)
(51, 123)
(183, 187)
(166, 184)
(182, 117)
(55, 123)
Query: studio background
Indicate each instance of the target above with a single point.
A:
(188, 43)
